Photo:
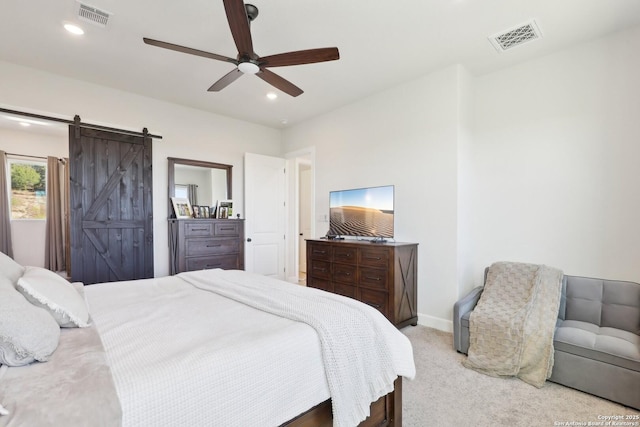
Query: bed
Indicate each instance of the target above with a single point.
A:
(213, 347)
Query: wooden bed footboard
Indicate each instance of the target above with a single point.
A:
(385, 412)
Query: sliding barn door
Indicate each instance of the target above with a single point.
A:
(111, 206)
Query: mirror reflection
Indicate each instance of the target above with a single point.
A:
(202, 186)
(203, 183)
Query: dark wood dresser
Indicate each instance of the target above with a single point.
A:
(383, 275)
(198, 244)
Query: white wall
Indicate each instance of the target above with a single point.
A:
(407, 137)
(187, 133)
(465, 180)
(556, 176)
(535, 163)
(28, 235)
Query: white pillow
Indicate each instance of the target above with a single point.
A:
(9, 268)
(27, 333)
(44, 288)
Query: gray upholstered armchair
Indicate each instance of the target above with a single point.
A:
(596, 341)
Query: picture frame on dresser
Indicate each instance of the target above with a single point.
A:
(204, 212)
(225, 209)
(182, 207)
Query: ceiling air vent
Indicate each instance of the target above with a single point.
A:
(516, 36)
(93, 15)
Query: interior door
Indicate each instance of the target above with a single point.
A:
(264, 193)
(111, 206)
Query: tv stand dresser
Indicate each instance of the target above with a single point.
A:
(383, 275)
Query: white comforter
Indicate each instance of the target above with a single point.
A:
(185, 355)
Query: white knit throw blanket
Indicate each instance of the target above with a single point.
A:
(511, 328)
(363, 353)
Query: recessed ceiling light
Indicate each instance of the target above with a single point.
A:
(284, 121)
(272, 95)
(74, 29)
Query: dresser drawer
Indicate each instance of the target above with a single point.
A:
(323, 284)
(374, 257)
(198, 229)
(344, 273)
(345, 255)
(226, 262)
(374, 278)
(321, 270)
(346, 290)
(197, 247)
(228, 228)
(319, 251)
(375, 299)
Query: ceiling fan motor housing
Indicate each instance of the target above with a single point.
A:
(252, 11)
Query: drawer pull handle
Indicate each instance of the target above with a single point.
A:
(319, 252)
(345, 255)
(320, 268)
(227, 228)
(373, 305)
(199, 229)
(377, 258)
(346, 273)
(212, 265)
(214, 246)
(373, 278)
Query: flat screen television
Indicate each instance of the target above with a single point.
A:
(362, 212)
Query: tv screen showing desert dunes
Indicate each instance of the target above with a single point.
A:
(360, 221)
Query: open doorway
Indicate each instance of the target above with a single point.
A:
(301, 212)
(304, 217)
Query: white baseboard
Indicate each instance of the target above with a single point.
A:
(435, 322)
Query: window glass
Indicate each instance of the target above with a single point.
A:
(182, 191)
(28, 189)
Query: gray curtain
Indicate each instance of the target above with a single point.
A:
(55, 254)
(193, 194)
(5, 212)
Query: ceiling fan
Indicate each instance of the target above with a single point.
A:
(239, 16)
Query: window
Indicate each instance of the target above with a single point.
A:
(28, 189)
(182, 191)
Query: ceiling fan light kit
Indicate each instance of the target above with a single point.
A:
(248, 67)
(247, 61)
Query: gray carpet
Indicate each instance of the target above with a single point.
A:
(445, 393)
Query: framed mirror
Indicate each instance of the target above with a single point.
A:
(203, 183)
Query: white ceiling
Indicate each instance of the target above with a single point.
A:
(382, 44)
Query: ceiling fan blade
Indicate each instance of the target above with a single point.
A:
(188, 50)
(278, 82)
(299, 57)
(225, 81)
(239, 25)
